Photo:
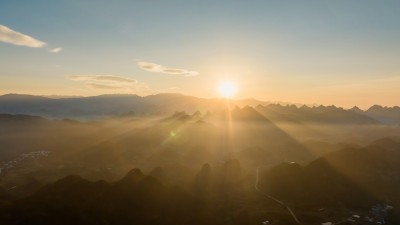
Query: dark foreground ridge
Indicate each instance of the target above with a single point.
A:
(135, 199)
(228, 194)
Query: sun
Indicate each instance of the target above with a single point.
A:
(227, 89)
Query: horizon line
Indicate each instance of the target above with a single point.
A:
(265, 102)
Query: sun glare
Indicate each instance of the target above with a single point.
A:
(227, 89)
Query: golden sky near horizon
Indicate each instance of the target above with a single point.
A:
(315, 52)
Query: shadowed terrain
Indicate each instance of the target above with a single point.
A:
(200, 166)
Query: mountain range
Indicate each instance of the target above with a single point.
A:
(85, 108)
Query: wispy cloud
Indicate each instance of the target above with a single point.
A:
(55, 50)
(153, 67)
(112, 83)
(13, 37)
(106, 78)
(103, 86)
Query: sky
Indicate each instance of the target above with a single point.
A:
(342, 52)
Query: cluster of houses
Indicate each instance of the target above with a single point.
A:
(4, 166)
(376, 216)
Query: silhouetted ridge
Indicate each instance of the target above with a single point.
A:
(354, 177)
(21, 97)
(316, 184)
(321, 114)
(389, 115)
(133, 175)
(197, 115)
(356, 109)
(7, 118)
(202, 182)
(180, 116)
(387, 143)
(161, 104)
(375, 108)
(135, 199)
(201, 122)
(247, 113)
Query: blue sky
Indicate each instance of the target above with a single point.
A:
(330, 52)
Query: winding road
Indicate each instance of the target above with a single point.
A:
(272, 198)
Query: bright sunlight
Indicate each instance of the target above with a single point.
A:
(227, 89)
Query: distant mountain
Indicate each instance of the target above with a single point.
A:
(387, 115)
(248, 113)
(278, 113)
(116, 105)
(22, 119)
(80, 108)
(390, 115)
(320, 114)
(109, 105)
(356, 109)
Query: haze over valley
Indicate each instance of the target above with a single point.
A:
(316, 160)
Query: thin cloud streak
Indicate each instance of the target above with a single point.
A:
(112, 84)
(55, 50)
(153, 67)
(105, 78)
(103, 86)
(13, 37)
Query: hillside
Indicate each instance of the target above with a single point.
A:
(356, 178)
